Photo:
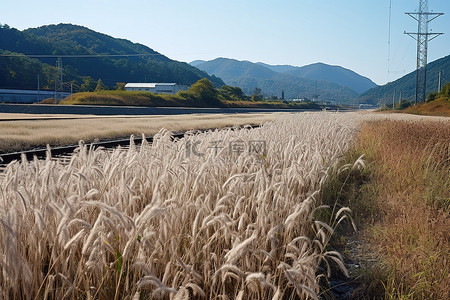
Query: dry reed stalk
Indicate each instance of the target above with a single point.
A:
(152, 222)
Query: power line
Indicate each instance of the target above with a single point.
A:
(80, 55)
(389, 40)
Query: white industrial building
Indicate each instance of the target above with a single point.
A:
(158, 88)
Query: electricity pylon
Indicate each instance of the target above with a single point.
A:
(422, 36)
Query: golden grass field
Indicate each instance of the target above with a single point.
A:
(155, 222)
(233, 222)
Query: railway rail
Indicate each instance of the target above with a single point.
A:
(41, 153)
(65, 151)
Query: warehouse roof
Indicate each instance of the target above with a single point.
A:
(148, 85)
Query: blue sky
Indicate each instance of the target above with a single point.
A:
(349, 33)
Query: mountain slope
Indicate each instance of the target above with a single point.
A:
(195, 63)
(248, 76)
(231, 69)
(321, 71)
(407, 84)
(336, 74)
(68, 39)
(278, 68)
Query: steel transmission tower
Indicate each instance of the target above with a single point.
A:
(422, 36)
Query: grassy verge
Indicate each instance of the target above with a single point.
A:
(439, 107)
(123, 98)
(401, 203)
(437, 104)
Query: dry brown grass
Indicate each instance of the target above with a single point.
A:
(439, 107)
(21, 135)
(411, 169)
(150, 222)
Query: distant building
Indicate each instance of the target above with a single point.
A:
(158, 88)
(27, 96)
(365, 106)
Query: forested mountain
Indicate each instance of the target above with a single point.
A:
(336, 74)
(68, 39)
(278, 68)
(407, 84)
(248, 76)
(321, 71)
(195, 63)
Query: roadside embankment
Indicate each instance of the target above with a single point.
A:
(400, 203)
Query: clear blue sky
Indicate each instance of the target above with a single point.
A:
(349, 33)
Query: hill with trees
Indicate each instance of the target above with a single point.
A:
(253, 77)
(406, 85)
(335, 74)
(105, 58)
(201, 94)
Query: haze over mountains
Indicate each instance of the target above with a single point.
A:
(67, 39)
(329, 82)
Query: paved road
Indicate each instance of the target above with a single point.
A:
(127, 110)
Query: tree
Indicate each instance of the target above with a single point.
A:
(120, 86)
(256, 95)
(231, 92)
(88, 85)
(446, 90)
(100, 86)
(204, 90)
(403, 104)
(432, 96)
(256, 91)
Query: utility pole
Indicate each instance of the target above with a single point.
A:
(439, 81)
(422, 36)
(393, 100)
(59, 80)
(39, 93)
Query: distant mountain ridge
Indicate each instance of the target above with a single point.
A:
(68, 39)
(278, 68)
(405, 87)
(297, 82)
(321, 71)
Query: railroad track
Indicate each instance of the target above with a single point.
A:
(65, 151)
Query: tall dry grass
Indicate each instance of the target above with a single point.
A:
(409, 166)
(150, 222)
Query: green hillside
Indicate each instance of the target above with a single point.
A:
(248, 76)
(407, 84)
(321, 71)
(68, 39)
